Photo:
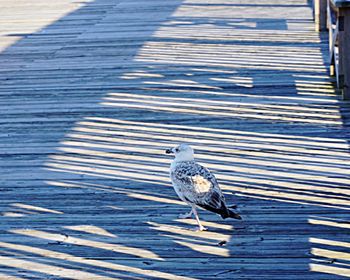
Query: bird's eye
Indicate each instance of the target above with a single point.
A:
(176, 150)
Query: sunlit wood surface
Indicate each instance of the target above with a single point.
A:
(93, 92)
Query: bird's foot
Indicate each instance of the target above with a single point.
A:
(233, 206)
(200, 228)
(186, 215)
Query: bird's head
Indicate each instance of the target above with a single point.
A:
(182, 152)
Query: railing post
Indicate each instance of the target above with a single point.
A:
(320, 10)
(344, 46)
(332, 30)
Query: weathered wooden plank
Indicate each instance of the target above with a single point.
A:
(91, 95)
(151, 267)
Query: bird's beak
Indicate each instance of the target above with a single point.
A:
(169, 151)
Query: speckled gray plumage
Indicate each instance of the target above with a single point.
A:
(195, 184)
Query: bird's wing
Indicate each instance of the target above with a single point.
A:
(198, 185)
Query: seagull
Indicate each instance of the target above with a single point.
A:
(196, 185)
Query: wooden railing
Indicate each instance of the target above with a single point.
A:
(320, 13)
(335, 15)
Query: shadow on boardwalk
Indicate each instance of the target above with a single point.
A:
(91, 101)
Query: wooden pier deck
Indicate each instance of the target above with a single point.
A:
(92, 93)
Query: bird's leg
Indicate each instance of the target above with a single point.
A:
(200, 227)
(186, 215)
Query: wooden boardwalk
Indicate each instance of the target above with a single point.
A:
(92, 93)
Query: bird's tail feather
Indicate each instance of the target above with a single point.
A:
(232, 214)
(224, 212)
